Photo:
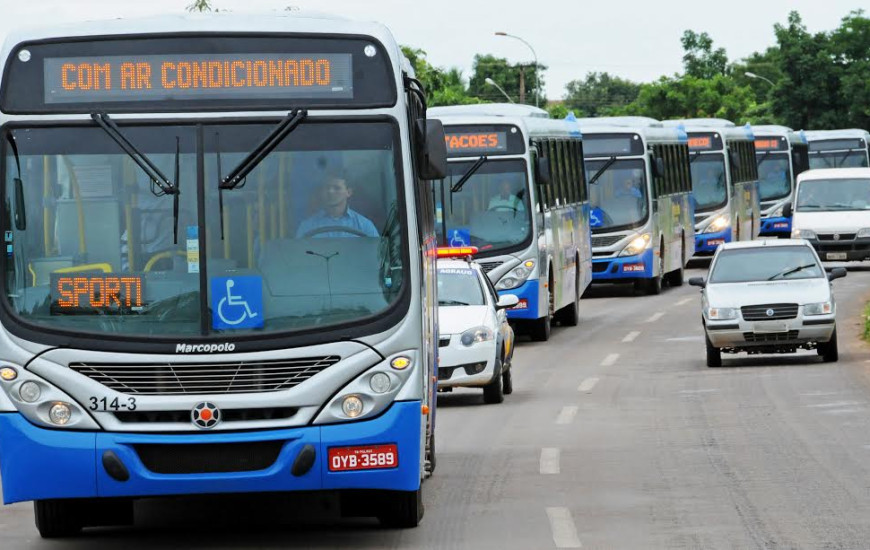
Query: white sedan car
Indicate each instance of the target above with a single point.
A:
(475, 341)
(768, 296)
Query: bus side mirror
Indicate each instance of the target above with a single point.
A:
(431, 150)
(787, 210)
(20, 215)
(542, 171)
(698, 281)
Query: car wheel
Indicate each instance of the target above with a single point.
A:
(828, 350)
(507, 383)
(494, 391)
(714, 354)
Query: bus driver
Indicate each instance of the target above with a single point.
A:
(335, 213)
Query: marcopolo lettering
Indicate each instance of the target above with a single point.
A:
(205, 348)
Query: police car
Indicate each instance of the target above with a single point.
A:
(475, 341)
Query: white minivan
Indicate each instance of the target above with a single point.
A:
(831, 209)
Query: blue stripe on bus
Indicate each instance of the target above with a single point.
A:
(625, 267)
(40, 464)
(529, 292)
(707, 243)
(775, 226)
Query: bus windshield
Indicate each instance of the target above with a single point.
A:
(773, 176)
(618, 198)
(839, 159)
(708, 182)
(831, 195)
(311, 238)
(490, 211)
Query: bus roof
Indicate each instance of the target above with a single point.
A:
(532, 126)
(846, 133)
(780, 131)
(632, 121)
(729, 131)
(704, 122)
(489, 109)
(649, 134)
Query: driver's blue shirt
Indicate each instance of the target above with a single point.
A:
(350, 219)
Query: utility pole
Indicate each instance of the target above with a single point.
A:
(522, 85)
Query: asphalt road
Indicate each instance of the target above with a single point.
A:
(617, 436)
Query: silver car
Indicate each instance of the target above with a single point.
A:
(768, 296)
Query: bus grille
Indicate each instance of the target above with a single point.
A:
(606, 240)
(205, 378)
(227, 415)
(779, 311)
(208, 458)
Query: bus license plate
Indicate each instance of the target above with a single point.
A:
(368, 457)
(835, 256)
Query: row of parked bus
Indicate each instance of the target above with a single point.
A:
(555, 205)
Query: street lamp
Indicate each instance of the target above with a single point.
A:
(534, 55)
(491, 82)
(759, 77)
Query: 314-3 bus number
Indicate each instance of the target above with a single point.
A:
(104, 404)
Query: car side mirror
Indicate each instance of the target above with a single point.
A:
(698, 281)
(837, 273)
(787, 210)
(432, 152)
(542, 171)
(507, 301)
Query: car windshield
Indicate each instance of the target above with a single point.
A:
(459, 287)
(311, 238)
(618, 198)
(774, 176)
(831, 195)
(490, 211)
(709, 190)
(741, 265)
(838, 159)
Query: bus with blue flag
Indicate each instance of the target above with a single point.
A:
(220, 266)
(724, 182)
(640, 196)
(781, 154)
(516, 190)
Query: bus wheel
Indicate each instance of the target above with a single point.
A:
(654, 285)
(540, 329)
(57, 518)
(402, 509)
(507, 383)
(569, 316)
(675, 278)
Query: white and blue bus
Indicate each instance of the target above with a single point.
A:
(516, 190)
(781, 155)
(640, 188)
(724, 182)
(219, 268)
(849, 148)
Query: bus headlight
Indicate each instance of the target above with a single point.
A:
(59, 414)
(516, 276)
(29, 392)
(352, 406)
(637, 245)
(718, 224)
(821, 308)
(41, 402)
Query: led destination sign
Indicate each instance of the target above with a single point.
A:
(476, 142)
(770, 144)
(179, 77)
(705, 142)
(97, 293)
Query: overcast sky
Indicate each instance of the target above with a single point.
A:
(636, 39)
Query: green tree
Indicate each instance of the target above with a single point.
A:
(443, 87)
(509, 77)
(599, 94)
(692, 97)
(700, 60)
(850, 44)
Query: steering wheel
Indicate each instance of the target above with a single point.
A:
(335, 228)
(160, 256)
(502, 207)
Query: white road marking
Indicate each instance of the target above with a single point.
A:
(562, 526)
(567, 414)
(684, 301)
(550, 461)
(631, 336)
(610, 360)
(655, 317)
(688, 392)
(587, 385)
(686, 339)
(838, 404)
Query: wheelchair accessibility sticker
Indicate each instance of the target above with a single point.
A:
(237, 302)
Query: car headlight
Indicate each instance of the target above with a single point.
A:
(803, 234)
(516, 276)
(476, 335)
(721, 313)
(863, 233)
(821, 308)
(718, 224)
(637, 245)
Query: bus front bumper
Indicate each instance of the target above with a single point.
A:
(528, 294)
(775, 227)
(625, 268)
(38, 463)
(707, 243)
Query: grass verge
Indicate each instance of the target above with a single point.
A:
(867, 322)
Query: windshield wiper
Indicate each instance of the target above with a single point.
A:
(695, 155)
(238, 174)
(158, 179)
(457, 187)
(763, 156)
(452, 303)
(601, 170)
(791, 270)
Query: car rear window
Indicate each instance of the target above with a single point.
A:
(739, 265)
